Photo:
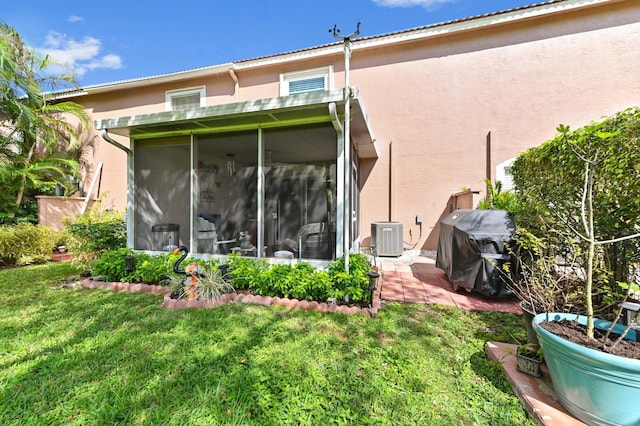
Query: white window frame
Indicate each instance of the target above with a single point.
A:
(185, 92)
(501, 174)
(325, 72)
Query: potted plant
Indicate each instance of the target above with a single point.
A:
(596, 386)
(529, 358)
(535, 278)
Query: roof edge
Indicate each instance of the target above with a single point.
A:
(145, 81)
(428, 31)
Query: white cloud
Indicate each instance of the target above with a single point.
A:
(78, 55)
(75, 18)
(411, 3)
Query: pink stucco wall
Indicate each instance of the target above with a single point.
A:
(52, 210)
(434, 102)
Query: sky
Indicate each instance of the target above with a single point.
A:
(109, 41)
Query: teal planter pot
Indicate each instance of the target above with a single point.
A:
(596, 387)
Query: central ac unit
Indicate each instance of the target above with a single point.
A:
(387, 237)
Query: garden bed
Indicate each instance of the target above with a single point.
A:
(239, 297)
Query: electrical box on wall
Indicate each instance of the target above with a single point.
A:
(419, 219)
(387, 237)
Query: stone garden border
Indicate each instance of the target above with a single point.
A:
(170, 303)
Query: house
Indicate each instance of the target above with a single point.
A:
(259, 149)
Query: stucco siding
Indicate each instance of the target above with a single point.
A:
(434, 103)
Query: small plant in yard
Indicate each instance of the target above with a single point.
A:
(497, 199)
(303, 281)
(529, 357)
(95, 232)
(210, 284)
(530, 351)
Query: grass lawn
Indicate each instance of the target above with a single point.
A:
(94, 357)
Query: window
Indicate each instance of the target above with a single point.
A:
(177, 100)
(314, 80)
(503, 174)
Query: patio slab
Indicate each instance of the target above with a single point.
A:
(416, 279)
(536, 393)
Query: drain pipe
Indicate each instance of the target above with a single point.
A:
(236, 83)
(348, 216)
(106, 137)
(340, 175)
(130, 184)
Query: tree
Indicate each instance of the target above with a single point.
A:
(550, 183)
(582, 186)
(33, 124)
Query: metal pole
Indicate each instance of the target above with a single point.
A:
(347, 143)
(347, 154)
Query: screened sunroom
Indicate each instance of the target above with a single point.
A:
(265, 178)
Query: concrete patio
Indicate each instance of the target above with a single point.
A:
(416, 279)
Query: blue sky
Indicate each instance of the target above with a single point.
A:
(107, 41)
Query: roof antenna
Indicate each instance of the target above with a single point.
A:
(336, 33)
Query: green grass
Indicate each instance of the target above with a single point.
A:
(93, 357)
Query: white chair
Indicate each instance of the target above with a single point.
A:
(207, 232)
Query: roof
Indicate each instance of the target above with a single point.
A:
(443, 28)
(306, 108)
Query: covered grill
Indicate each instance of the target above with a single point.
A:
(472, 246)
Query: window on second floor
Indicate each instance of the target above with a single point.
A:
(313, 80)
(177, 100)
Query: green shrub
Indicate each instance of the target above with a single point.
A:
(300, 281)
(303, 281)
(152, 269)
(354, 285)
(111, 265)
(245, 272)
(497, 199)
(25, 244)
(297, 281)
(95, 232)
(146, 268)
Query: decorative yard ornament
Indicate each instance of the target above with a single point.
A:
(192, 272)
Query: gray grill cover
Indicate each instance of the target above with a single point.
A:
(471, 248)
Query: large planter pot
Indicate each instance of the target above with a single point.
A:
(596, 387)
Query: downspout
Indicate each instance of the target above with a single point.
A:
(347, 153)
(130, 184)
(340, 176)
(234, 77)
(106, 137)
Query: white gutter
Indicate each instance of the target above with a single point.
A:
(146, 81)
(429, 31)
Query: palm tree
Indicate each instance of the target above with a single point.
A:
(33, 124)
